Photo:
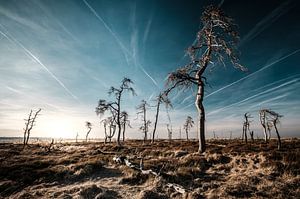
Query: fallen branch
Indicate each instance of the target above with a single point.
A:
(177, 188)
(124, 160)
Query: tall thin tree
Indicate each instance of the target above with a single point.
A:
(88, 125)
(161, 98)
(142, 110)
(216, 38)
(125, 122)
(189, 123)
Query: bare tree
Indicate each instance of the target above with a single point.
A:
(109, 123)
(29, 123)
(161, 98)
(246, 127)
(115, 106)
(142, 109)
(89, 127)
(269, 119)
(125, 122)
(216, 38)
(263, 122)
(189, 123)
(252, 135)
(77, 137)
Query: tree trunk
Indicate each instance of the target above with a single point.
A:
(187, 134)
(201, 113)
(243, 132)
(252, 136)
(145, 125)
(87, 134)
(269, 133)
(265, 132)
(156, 119)
(124, 131)
(118, 121)
(278, 136)
(27, 139)
(246, 138)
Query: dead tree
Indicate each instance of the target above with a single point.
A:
(216, 38)
(115, 106)
(263, 122)
(89, 127)
(246, 127)
(189, 123)
(30, 122)
(269, 119)
(125, 122)
(161, 98)
(109, 123)
(142, 109)
(252, 135)
(77, 137)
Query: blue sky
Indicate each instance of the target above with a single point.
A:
(64, 55)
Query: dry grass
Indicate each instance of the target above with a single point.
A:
(229, 169)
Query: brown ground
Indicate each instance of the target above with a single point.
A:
(229, 169)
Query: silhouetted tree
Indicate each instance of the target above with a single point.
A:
(216, 38)
(77, 137)
(252, 135)
(29, 123)
(161, 98)
(246, 127)
(189, 123)
(89, 127)
(142, 109)
(115, 106)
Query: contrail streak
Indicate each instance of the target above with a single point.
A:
(269, 100)
(250, 75)
(125, 51)
(31, 55)
(149, 76)
(254, 96)
(31, 97)
(106, 26)
(266, 22)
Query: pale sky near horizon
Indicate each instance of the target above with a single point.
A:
(63, 55)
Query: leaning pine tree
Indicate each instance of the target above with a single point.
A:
(215, 41)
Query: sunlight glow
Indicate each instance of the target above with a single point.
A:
(58, 126)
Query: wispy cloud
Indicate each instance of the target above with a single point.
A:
(296, 80)
(252, 74)
(32, 56)
(147, 29)
(126, 52)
